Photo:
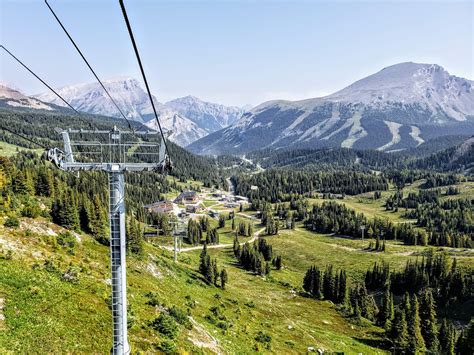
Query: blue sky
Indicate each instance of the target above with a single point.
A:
(235, 52)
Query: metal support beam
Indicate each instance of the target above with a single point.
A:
(175, 237)
(67, 147)
(117, 261)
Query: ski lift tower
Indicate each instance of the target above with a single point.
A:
(109, 151)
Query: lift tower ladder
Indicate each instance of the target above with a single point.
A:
(110, 152)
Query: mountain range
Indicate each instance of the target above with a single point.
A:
(186, 119)
(399, 107)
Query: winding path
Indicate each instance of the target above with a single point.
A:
(216, 246)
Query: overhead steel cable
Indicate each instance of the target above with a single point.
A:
(137, 54)
(23, 137)
(79, 114)
(47, 85)
(88, 65)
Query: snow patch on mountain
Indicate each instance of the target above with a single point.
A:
(321, 128)
(356, 132)
(415, 134)
(394, 128)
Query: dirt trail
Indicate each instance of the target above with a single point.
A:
(217, 246)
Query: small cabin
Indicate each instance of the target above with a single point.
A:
(187, 197)
(194, 208)
(161, 207)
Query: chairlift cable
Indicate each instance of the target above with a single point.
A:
(137, 54)
(88, 65)
(46, 84)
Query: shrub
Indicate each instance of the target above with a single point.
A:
(50, 266)
(190, 302)
(262, 337)
(34, 290)
(223, 325)
(12, 222)
(250, 304)
(31, 210)
(181, 317)
(66, 240)
(168, 347)
(7, 255)
(166, 325)
(152, 299)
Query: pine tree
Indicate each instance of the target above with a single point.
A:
(328, 283)
(447, 338)
(399, 332)
(221, 221)
(134, 236)
(357, 313)
(224, 278)
(465, 344)
(416, 343)
(277, 262)
(377, 243)
(69, 212)
(250, 230)
(292, 224)
(368, 307)
(386, 315)
(268, 268)
(214, 272)
(342, 288)
(205, 267)
(236, 247)
(429, 328)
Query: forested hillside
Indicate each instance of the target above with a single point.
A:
(446, 154)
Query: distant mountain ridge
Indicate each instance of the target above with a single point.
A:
(397, 108)
(188, 118)
(207, 115)
(14, 98)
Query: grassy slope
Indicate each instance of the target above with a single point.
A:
(47, 315)
(365, 204)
